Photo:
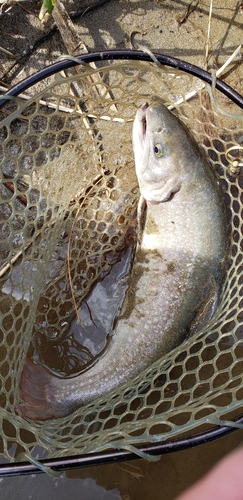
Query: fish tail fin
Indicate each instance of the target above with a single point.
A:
(37, 393)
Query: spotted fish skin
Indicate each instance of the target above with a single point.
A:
(179, 261)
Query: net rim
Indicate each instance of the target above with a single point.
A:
(132, 55)
(114, 456)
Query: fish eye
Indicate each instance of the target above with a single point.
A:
(158, 150)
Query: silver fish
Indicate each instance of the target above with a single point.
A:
(178, 268)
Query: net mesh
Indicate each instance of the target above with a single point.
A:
(68, 205)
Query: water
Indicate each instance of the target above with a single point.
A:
(84, 341)
(36, 486)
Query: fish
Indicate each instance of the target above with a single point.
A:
(177, 273)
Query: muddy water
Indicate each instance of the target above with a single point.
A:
(88, 335)
(56, 489)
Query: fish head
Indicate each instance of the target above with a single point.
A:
(157, 146)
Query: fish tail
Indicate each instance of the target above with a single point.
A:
(37, 393)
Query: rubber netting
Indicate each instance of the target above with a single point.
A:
(68, 197)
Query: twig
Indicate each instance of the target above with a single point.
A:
(69, 246)
(66, 109)
(228, 61)
(24, 8)
(21, 197)
(93, 6)
(8, 53)
(208, 36)
(6, 267)
(74, 45)
(190, 8)
(219, 72)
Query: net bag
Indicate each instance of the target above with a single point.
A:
(68, 204)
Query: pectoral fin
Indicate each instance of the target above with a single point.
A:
(208, 308)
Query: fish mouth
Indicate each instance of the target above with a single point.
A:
(166, 199)
(161, 194)
(144, 107)
(171, 195)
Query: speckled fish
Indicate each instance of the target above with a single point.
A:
(177, 272)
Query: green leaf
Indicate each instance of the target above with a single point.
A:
(49, 4)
